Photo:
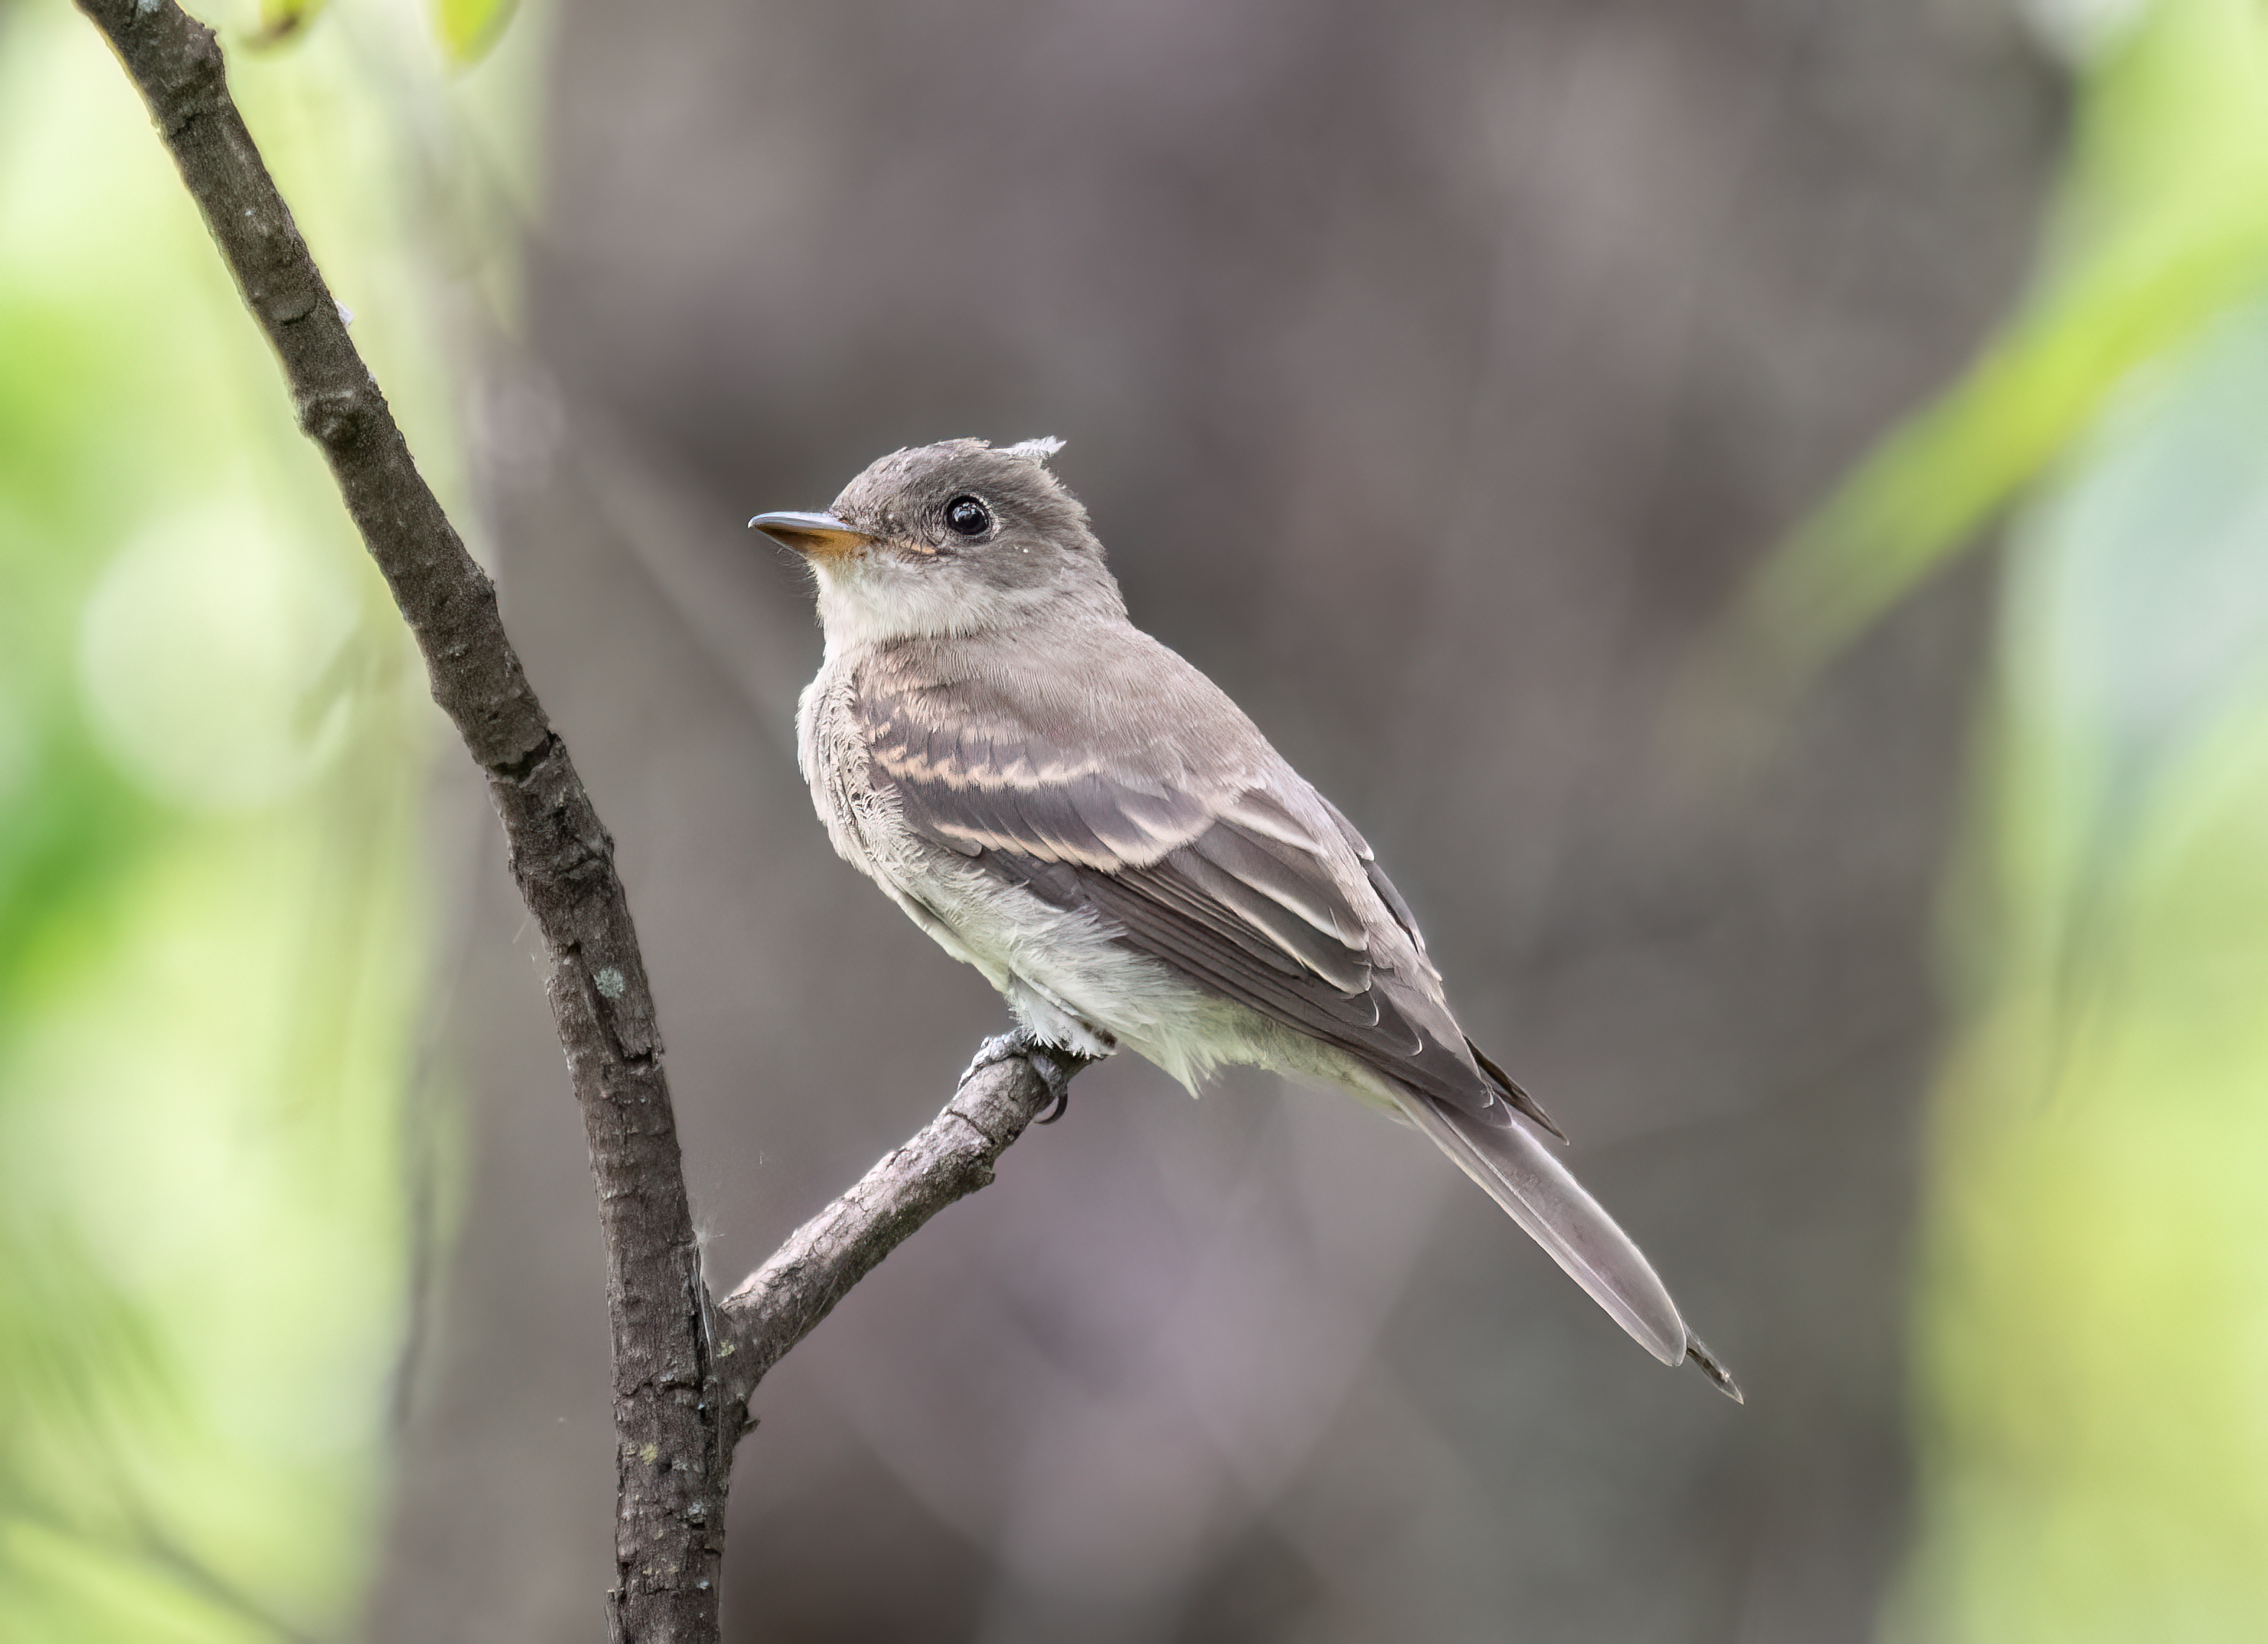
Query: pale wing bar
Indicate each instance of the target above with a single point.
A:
(1232, 895)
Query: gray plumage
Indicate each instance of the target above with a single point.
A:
(1062, 802)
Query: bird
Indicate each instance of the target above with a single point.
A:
(1061, 801)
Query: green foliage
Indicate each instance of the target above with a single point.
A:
(466, 30)
(2162, 224)
(2093, 1285)
(212, 738)
(282, 20)
(469, 29)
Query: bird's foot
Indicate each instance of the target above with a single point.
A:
(1052, 1063)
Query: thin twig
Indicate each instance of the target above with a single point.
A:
(676, 1417)
(779, 1304)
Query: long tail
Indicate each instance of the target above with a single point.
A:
(1509, 1160)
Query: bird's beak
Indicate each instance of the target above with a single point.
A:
(818, 536)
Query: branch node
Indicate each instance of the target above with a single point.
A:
(332, 417)
(518, 771)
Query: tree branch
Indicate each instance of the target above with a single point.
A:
(676, 1416)
(779, 1304)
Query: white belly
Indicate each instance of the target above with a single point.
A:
(1061, 973)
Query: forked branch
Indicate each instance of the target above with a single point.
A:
(683, 1363)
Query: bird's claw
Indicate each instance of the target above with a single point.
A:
(1051, 1063)
(1058, 1083)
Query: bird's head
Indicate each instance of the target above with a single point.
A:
(947, 540)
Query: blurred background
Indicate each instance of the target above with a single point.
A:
(1560, 425)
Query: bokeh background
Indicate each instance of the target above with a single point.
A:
(1758, 508)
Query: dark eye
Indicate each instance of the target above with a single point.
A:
(967, 516)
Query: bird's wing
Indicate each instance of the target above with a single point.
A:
(1200, 846)
(1204, 850)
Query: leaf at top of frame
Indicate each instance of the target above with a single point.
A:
(283, 21)
(469, 29)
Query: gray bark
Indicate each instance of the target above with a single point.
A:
(683, 1364)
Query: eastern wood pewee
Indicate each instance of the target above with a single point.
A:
(1069, 806)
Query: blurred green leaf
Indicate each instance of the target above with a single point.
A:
(285, 20)
(469, 29)
(2163, 225)
(211, 942)
(2139, 587)
(2135, 630)
(2091, 1293)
